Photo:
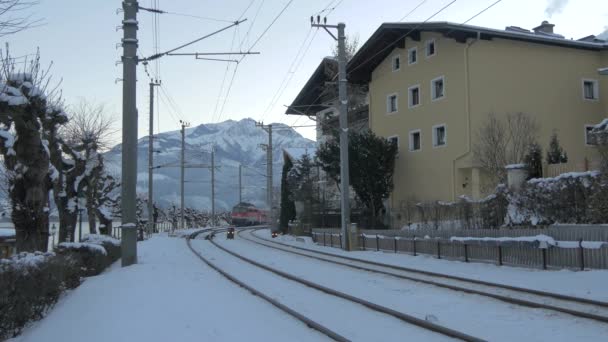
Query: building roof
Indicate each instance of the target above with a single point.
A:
(391, 35)
(309, 101)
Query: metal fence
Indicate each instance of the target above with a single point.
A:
(438, 244)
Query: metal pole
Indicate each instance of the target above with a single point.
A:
(269, 168)
(181, 175)
(80, 224)
(213, 223)
(150, 161)
(129, 133)
(240, 183)
(344, 172)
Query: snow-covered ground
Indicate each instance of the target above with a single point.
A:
(172, 296)
(479, 316)
(169, 296)
(587, 284)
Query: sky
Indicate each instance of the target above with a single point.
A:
(80, 39)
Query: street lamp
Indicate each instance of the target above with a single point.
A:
(80, 206)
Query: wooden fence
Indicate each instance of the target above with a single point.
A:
(438, 244)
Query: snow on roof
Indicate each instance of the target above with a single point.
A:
(296, 153)
(602, 126)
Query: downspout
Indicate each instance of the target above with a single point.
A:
(467, 110)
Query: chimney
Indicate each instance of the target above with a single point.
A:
(545, 27)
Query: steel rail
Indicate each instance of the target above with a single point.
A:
(376, 307)
(508, 299)
(309, 322)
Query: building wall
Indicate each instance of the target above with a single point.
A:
(481, 77)
(424, 174)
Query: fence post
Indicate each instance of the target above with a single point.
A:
(438, 249)
(395, 244)
(331, 240)
(340, 236)
(466, 253)
(363, 241)
(544, 253)
(324, 233)
(499, 255)
(377, 243)
(414, 243)
(581, 254)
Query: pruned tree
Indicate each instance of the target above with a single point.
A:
(501, 141)
(106, 201)
(23, 107)
(90, 130)
(555, 153)
(301, 184)
(371, 168)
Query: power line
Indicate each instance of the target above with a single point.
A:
(412, 11)
(255, 17)
(219, 95)
(270, 25)
(228, 91)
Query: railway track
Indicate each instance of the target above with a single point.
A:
(420, 323)
(580, 307)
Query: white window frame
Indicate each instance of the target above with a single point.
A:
(435, 142)
(433, 95)
(410, 98)
(398, 142)
(411, 140)
(596, 89)
(585, 131)
(388, 103)
(426, 48)
(409, 51)
(393, 63)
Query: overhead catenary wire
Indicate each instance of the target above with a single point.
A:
(412, 11)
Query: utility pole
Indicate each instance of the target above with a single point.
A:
(268, 128)
(129, 134)
(213, 223)
(181, 174)
(240, 183)
(343, 98)
(150, 160)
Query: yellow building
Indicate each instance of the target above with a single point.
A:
(432, 85)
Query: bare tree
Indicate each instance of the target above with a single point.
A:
(504, 141)
(11, 18)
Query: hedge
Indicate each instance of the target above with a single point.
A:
(31, 283)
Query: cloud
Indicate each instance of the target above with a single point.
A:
(555, 7)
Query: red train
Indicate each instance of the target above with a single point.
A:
(246, 214)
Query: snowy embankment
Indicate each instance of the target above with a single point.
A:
(170, 295)
(479, 316)
(586, 284)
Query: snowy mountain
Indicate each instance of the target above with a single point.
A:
(236, 142)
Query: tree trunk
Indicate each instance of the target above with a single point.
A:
(91, 218)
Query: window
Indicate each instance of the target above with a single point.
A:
(590, 90)
(414, 96)
(396, 62)
(439, 136)
(391, 103)
(588, 139)
(438, 88)
(415, 141)
(394, 140)
(412, 55)
(430, 48)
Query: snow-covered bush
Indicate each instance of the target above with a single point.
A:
(30, 284)
(110, 244)
(563, 199)
(92, 256)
